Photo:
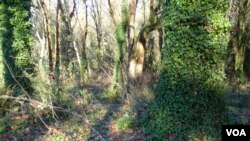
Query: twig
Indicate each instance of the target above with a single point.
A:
(13, 76)
(43, 122)
(109, 76)
(29, 100)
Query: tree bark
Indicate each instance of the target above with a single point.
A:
(57, 40)
(42, 42)
(113, 12)
(97, 17)
(83, 51)
(47, 35)
(238, 41)
(137, 57)
(118, 48)
(131, 38)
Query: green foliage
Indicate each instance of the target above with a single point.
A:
(120, 35)
(125, 19)
(118, 54)
(189, 98)
(120, 32)
(6, 39)
(2, 127)
(16, 40)
(111, 94)
(124, 123)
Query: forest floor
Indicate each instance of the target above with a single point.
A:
(95, 117)
(238, 105)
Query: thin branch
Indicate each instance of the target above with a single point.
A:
(30, 100)
(14, 78)
(109, 76)
(27, 94)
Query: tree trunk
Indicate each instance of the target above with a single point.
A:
(97, 17)
(136, 62)
(238, 41)
(57, 41)
(118, 48)
(131, 38)
(42, 42)
(84, 59)
(68, 47)
(113, 12)
(153, 52)
(47, 35)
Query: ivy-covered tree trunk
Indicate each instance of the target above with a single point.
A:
(120, 36)
(189, 99)
(6, 43)
(16, 42)
(238, 40)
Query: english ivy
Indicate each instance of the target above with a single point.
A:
(189, 96)
(15, 36)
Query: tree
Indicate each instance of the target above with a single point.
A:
(16, 42)
(96, 13)
(84, 58)
(138, 46)
(69, 50)
(192, 78)
(57, 40)
(131, 38)
(239, 39)
(47, 35)
(119, 49)
(151, 36)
